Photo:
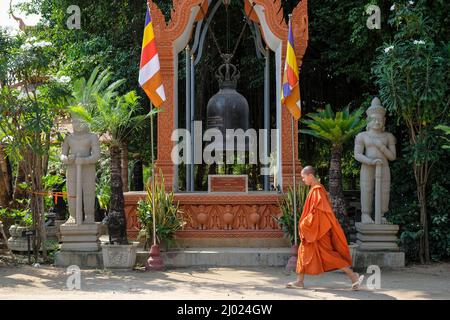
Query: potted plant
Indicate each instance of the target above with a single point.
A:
(168, 215)
(286, 219)
(287, 222)
(23, 222)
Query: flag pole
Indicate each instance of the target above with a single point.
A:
(292, 262)
(293, 164)
(295, 180)
(155, 261)
(153, 176)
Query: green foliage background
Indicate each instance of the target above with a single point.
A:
(336, 70)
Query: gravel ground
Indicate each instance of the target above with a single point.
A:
(48, 282)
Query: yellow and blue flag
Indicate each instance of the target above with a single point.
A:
(150, 69)
(290, 93)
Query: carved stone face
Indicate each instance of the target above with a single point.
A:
(376, 122)
(79, 126)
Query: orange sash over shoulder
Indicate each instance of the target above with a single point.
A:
(323, 243)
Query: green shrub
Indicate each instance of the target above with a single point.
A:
(21, 217)
(168, 214)
(286, 220)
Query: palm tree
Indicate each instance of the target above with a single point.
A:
(116, 117)
(337, 129)
(85, 93)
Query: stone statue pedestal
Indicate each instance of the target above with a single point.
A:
(84, 237)
(377, 236)
(377, 245)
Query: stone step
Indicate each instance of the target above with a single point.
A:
(221, 257)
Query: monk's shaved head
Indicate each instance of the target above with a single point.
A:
(309, 170)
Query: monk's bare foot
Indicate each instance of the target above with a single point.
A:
(296, 285)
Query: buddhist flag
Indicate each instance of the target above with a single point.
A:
(203, 10)
(290, 93)
(250, 12)
(150, 70)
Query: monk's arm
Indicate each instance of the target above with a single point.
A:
(309, 227)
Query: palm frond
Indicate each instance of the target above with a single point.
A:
(336, 128)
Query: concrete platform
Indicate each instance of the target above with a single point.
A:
(194, 257)
(82, 259)
(222, 257)
(384, 259)
(231, 242)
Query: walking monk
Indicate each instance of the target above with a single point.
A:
(323, 243)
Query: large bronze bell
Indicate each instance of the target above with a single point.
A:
(227, 109)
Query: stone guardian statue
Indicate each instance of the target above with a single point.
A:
(374, 148)
(80, 152)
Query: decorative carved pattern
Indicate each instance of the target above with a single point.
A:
(218, 216)
(225, 234)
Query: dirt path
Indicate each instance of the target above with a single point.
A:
(47, 282)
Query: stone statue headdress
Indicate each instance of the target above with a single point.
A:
(376, 108)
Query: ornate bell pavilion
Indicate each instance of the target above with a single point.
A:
(232, 217)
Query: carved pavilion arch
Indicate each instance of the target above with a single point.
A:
(173, 37)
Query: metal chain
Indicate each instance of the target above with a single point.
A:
(212, 32)
(240, 36)
(243, 30)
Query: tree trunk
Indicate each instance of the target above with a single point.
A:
(5, 179)
(137, 178)
(124, 170)
(421, 174)
(335, 187)
(34, 169)
(424, 245)
(46, 156)
(21, 177)
(116, 217)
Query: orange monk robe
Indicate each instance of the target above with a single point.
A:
(323, 243)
